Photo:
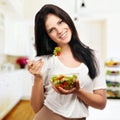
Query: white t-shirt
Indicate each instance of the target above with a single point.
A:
(68, 105)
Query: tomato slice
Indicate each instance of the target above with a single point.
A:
(65, 83)
(61, 77)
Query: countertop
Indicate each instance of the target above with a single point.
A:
(11, 71)
(111, 111)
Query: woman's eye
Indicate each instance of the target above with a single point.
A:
(51, 30)
(60, 21)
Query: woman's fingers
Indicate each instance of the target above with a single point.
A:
(64, 91)
(55, 88)
(35, 67)
(60, 90)
(77, 85)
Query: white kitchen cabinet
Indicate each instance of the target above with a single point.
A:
(14, 32)
(27, 82)
(2, 31)
(10, 91)
(17, 38)
(6, 31)
(14, 86)
(1, 20)
(15, 6)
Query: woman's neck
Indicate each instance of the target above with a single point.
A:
(66, 49)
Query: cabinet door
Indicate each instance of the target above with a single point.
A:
(27, 80)
(2, 32)
(15, 6)
(17, 41)
(10, 91)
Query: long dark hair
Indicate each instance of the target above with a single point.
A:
(45, 46)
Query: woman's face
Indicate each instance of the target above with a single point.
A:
(58, 30)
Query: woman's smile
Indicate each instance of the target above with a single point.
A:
(63, 36)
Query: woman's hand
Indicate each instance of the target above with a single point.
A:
(34, 67)
(37, 94)
(60, 90)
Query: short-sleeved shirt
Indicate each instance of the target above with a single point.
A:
(69, 106)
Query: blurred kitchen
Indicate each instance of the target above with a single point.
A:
(97, 22)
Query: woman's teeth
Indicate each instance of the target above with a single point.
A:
(63, 36)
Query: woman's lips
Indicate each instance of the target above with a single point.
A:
(64, 35)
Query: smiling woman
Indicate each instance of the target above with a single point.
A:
(54, 28)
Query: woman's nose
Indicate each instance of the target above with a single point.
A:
(59, 30)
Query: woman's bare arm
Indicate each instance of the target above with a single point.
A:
(97, 99)
(37, 95)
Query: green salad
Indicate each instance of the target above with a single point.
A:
(64, 81)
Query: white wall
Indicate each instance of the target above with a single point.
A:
(109, 6)
(113, 37)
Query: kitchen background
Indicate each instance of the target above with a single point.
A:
(97, 22)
